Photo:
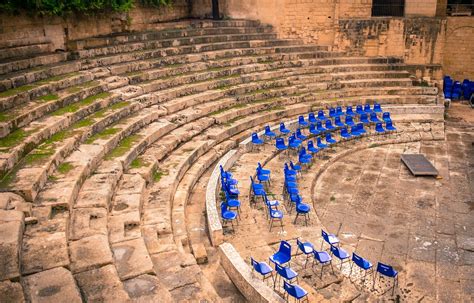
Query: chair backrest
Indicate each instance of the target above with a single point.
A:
(379, 127)
(373, 115)
(349, 119)
(328, 136)
(335, 251)
(359, 108)
(319, 124)
(328, 124)
(386, 270)
(256, 265)
(377, 106)
(363, 117)
(289, 288)
(311, 116)
(280, 142)
(386, 115)
(367, 107)
(325, 236)
(282, 126)
(355, 128)
(310, 144)
(312, 127)
(318, 140)
(388, 124)
(254, 137)
(332, 111)
(349, 110)
(301, 119)
(359, 261)
(251, 180)
(338, 110)
(223, 208)
(337, 120)
(285, 248)
(267, 129)
(321, 114)
(298, 132)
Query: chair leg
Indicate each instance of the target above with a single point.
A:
(271, 223)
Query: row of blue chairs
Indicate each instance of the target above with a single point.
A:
(230, 207)
(291, 189)
(455, 90)
(273, 214)
(284, 255)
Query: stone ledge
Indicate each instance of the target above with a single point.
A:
(253, 289)
(212, 214)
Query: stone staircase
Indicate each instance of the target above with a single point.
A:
(101, 147)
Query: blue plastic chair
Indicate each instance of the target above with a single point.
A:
(384, 270)
(389, 126)
(329, 139)
(291, 189)
(275, 215)
(227, 215)
(313, 130)
(300, 135)
(288, 171)
(321, 116)
(319, 127)
(374, 118)
(329, 125)
(322, 258)
(296, 292)
(367, 108)
(330, 239)
(302, 209)
(377, 108)
(286, 273)
(332, 112)
(272, 204)
(232, 203)
(340, 253)
(457, 89)
(262, 268)
(345, 134)
(339, 111)
(311, 148)
(386, 117)
(269, 133)
(338, 122)
(320, 144)
(306, 248)
(364, 118)
(379, 128)
(283, 255)
(363, 264)
(302, 123)
(349, 111)
(355, 131)
(261, 170)
(359, 109)
(312, 118)
(256, 141)
(349, 121)
(361, 129)
(280, 144)
(297, 168)
(283, 130)
(303, 157)
(257, 190)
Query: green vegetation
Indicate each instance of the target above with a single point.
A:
(48, 98)
(65, 167)
(106, 133)
(82, 123)
(138, 162)
(158, 174)
(78, 88)
(86, 7)
(57, 78)
(123, 147)
(16, 90)
(4, 117)
(71, 108)
(13, 138)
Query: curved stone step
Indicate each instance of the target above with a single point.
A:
(22, 63)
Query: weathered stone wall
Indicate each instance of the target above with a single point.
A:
(60, 30)
(458, 60)
(201, 8)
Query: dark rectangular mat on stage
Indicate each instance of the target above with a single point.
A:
(419, 165)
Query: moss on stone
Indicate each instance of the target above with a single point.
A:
(65, 167)
(106, 133)
(13, 138)
(158, 174)
(123, 147)
(138, 162)
(16, 90)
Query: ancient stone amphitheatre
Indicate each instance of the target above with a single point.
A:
(112, 148)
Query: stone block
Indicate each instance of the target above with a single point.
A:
(86, 222)
(199, 252)
(44, 251)
(89, 253)
(132, 259)
(101, 285)
(147, 288)
(54, 285)
(124, 226)
(11, 234)
(11, 292)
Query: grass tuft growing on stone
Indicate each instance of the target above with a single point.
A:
(138, 162)
(123, 147)
(106, 133)
(158, 174)
(13, 138)
(47, 98)
(65, 167)
(16, 90)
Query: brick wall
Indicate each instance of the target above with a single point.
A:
(60, 30)
(458, 60)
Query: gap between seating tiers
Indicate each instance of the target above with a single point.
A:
(228, 160)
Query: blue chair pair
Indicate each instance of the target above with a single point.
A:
(321, 257)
